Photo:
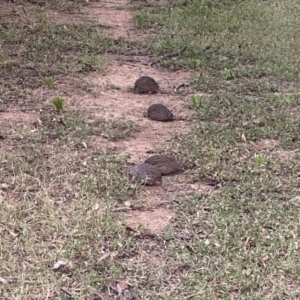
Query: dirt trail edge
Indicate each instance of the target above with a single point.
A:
(120, 102)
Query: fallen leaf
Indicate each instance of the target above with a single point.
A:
(131, 229)
(13, 233)
(4, 186)
(106, 255)
(123, 283)
(119, 289)
(3, 280)
(97, 295)
(190, 249)
(63, 263)
(127, 203)
(119, 286)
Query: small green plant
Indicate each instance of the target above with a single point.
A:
(289, 98)
(260, 159)
(194, 63)
(139, 21)
(92, 63)
(228, 74)
(42, 18)
(59, 104)
(196, 101)
(297, 98)
(49, 81)
(274, 88)
(112, 86)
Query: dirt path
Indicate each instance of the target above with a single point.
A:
(122, 72)
(153, 136)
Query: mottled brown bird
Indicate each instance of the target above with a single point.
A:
(166, 164)
(146, 85)
(159, 112)
(145, 173)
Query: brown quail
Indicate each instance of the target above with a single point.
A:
(146, 85)
(165, 164)
(145, 173)
(159, 112)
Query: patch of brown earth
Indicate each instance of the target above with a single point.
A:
(153, 259)
(120, 102)
(155, 221)
(174, 188)
(112, 14)
(63, 18)
(13, 118)
(277, 151)
(285, 155)
(112, 98)
(9, 10)
(267, 144)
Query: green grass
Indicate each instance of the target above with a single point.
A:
(57, 197)
(60, 196)
(51, 48)
(252, 37)
(35, 49)
(241, 241)
(62, 5)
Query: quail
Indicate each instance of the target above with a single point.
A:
(166, 164)
(159, 112)
(146, 85)
(145, 173)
